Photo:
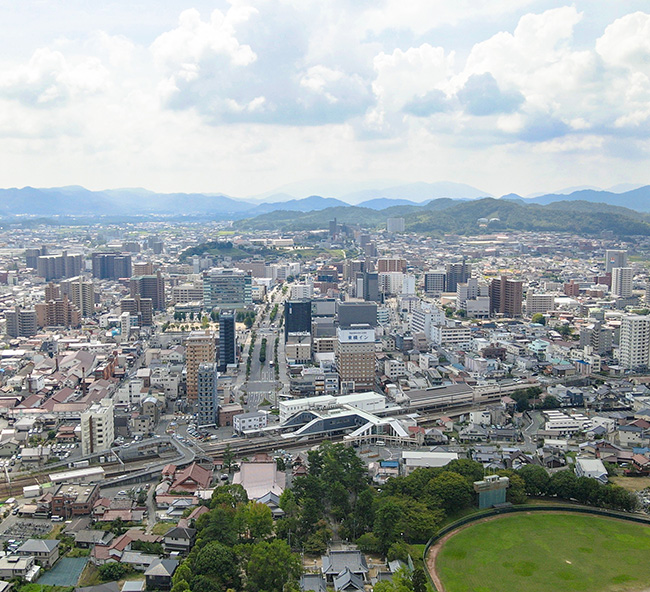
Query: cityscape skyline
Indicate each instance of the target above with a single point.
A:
(245, 96)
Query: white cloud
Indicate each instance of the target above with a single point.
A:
(49, 79)
(344, 88)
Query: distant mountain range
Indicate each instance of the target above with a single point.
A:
(444, 216)
(137, 202)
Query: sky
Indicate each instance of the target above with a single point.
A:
(245, 96)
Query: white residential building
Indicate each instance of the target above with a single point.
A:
(634, 342)
(539, 303)
(622, 281)
(97, 427)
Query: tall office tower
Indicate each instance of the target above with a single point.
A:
(634, 342)
(350, 313)
(334, 228)
(370, 250)
(142, 268)
(395, 225)
(111, 266)
(615, 258)
(20, 322)
(355, 357)
(435, 282)
(386, 264)
(32, 255)
(97, 427)
(297, 317)
(149, 286)
(207, 399)
(351, 268)
(457, 273)
(227, 288)
(139, 307)
(157, 246)
(200, 347)
(57, 313)
(227, 341)
(371, 287)
(622, 281)
(408, 285)
(506, 297)
(81, 293)
(54, 267)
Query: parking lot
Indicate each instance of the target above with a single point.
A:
(17, 530)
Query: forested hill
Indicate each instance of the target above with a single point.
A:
(470, 217)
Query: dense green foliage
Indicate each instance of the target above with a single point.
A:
(221, 248)
(236, 549)
(468, 217)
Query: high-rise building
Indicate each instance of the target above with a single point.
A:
(20, 322)
(81, 293)
(390, 282)
(506, 297)
(111, 266)
(615, 258)
(351, 313)
(54, 267)
(149, 286)
(355, 357)
(474, 298)
(200, 347)
(297, 317)
(457, 273)
(142, 268)
(622, 281)
(32, 255)
(227, 288)
(52, 292)
(185, 293)
(395, 225)
(386, 264)
(227, 341)
(97, 427)
(634, 342)
(370, 285)
(539, 303)
(139, 307)
(57, 313)
(435, 282)
(207, 401)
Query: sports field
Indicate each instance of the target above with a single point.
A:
(542, 552)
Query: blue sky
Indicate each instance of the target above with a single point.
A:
(243, 96)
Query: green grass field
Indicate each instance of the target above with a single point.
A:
(542, 552)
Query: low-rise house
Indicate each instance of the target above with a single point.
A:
(191, 479)
(44, 551)
(15, 566)
(592, 468)
(87, 538)
(159, 574)
(178, 539)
